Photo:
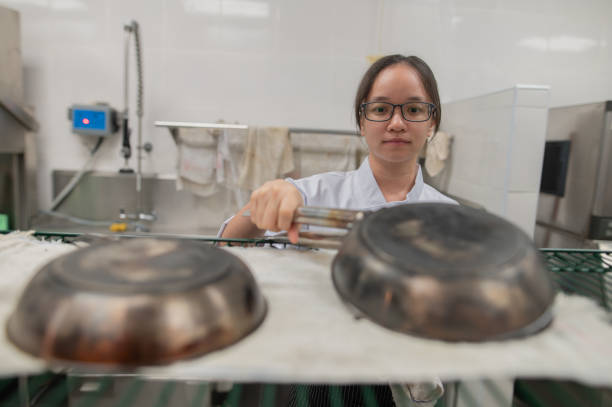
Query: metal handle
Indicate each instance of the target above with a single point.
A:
(330, 217)
(313, 240)
(321, 216)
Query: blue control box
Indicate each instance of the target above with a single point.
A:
(94, 120)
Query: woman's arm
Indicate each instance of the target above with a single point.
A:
(241, 227)
(272, 207)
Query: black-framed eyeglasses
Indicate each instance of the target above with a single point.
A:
(411, 111)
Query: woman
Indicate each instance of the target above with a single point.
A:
(397, 109)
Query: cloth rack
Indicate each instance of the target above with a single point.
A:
(173, 126)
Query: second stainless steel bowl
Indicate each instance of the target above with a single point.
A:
(445, 272)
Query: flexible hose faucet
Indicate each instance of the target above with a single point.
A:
(126, 150)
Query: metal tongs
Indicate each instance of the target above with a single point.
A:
(340, 219)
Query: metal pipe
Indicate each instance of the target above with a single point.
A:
(126, 76)
(173, 125)
(133, 29)
(125, 148)
(67, 190)
(139, 114)
(323, 131)
(24, 392)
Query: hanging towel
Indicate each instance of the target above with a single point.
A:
(437, 153)
(227, 173)
(268, 155)
(197, 161)
(318, 153)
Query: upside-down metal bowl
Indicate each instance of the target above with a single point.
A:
(137, 302)
(445, 272)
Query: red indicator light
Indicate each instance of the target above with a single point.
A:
(86, 121)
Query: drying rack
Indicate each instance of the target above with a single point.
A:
(578, 271)
(174, 126)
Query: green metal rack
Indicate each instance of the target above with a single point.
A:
(575, 271)
(583, 272)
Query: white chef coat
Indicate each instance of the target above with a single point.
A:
(356, 189)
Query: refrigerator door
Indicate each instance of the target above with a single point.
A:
(603, 196)
(584, 127)
(601, 219)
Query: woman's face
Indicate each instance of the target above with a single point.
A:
(396, 140)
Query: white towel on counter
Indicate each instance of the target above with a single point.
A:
(196, 161)
(308, 344)
(268, 155)
(437, 153)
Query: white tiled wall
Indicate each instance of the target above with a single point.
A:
(498, 150)
(293, 63)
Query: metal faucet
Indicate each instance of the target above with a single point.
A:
(132, 29)
(127, 216)
(149, 217)
(140, 216)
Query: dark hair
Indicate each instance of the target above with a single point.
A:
(425, 73)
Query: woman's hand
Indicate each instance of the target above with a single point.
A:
(273, 205)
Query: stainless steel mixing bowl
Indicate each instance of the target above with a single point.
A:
(445, 272)
(137, 302)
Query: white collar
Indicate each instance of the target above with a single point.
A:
(371, 191)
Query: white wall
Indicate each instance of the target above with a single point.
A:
(295, 63)
(498, 150)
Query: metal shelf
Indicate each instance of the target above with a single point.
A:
(582, 272)
(576, 271)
